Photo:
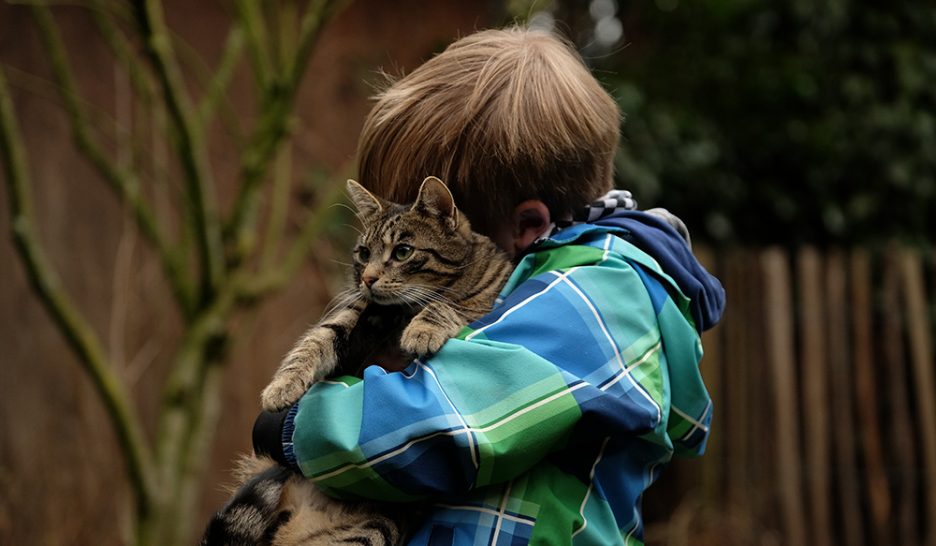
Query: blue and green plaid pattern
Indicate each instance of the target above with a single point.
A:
(543, 422)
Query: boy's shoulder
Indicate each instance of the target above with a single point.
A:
(581, 246)
(646, 241)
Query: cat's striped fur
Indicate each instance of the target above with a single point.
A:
(276, 507)
(420, 275)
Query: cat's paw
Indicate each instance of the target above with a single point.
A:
(285, 390)
(422, 339)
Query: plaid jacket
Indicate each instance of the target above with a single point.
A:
(543, 422)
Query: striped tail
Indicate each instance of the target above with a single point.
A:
(253, 515)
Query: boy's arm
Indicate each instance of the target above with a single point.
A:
(560, 354)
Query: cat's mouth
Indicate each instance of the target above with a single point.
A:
(380, 297)
(386, 297)
(384, 300)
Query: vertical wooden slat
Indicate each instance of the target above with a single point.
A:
(761, 458)
(815, 386)
(736, 373)
(780, 351)
(921, 351)
(712, 365)
(843, 419)
(868, 431)
(903, 450)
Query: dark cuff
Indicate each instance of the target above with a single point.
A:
(272, 436)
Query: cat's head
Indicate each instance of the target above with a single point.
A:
(409, 254)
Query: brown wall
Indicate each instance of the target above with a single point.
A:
(61, 480)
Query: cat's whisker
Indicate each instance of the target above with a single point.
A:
(426, 296)
(343, 206)
(440, 289)
(416, 298)
(355, 228)
(410, 300)
(361, 216)
(342, 300)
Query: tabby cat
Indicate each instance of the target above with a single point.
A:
(419, 276)
(274, 506)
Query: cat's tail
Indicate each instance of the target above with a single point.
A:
(254, 513)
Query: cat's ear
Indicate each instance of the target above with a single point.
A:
(435, 198)
(364, 201)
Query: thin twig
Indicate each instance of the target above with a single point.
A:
(119, 45)
(273, 127)
(123, 182)
(255, 286)
(233, 46)
(98, 120)
(286, 33)
(279, 207)
(251, 17)
(189, 145)
(200, 76)
(78, 333)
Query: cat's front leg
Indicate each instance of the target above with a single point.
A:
(313, 358)
(431, 328)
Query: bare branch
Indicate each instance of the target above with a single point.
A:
(123, 52)
(273, 127)
(286, 32)
(251, 17)
(78, 333)
(315, 18)
(147, 149)
(279, 206)
(193, 63)
(123, 182)
(193, 462)
(97, 119)
(190, 389)
(256, 286)
(191, 149)
(222, 77)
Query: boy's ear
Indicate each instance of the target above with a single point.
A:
(364, 201)
(530, 221)
(435, 198)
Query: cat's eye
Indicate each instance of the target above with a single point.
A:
(402, 252)
(363, 253)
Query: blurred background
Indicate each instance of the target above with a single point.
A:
(170, 173)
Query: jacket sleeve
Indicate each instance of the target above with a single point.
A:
(561, 354)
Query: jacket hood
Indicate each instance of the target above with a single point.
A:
(659, 239)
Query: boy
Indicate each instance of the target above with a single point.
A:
(545, 421)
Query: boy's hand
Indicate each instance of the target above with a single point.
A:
(672, 220)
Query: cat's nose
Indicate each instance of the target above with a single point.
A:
(368, 280)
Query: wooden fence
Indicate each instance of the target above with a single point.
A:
(822, 372)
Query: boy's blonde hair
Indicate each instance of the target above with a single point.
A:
(501, 116)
